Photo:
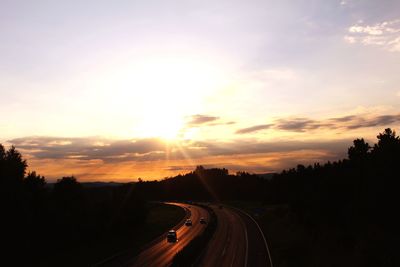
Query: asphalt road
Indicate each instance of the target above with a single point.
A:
(236, 242)
(258, 254)
(162, 252)
(228, 247)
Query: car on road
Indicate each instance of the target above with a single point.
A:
(202, 220)
(171, 236)
(188, 222)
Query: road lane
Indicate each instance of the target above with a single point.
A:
(228, 247)
(258, 253)
(162, 252)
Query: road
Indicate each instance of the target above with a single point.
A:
(236, 242)
(161, 253)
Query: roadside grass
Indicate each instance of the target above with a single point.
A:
(161, 218)
(288, 242)
(291, 243)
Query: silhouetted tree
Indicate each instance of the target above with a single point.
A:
(388, 147)
(388, 140)
(67, 186)
(34, 181)
(12, 166)
(359, 151)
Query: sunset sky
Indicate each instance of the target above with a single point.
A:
(116, 90)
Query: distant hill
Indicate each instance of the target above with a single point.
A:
(101, 184)
(91, 184)
(206, 184)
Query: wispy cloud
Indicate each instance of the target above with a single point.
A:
(348, 122)
(297, 124)
(385, 34)
(90, 148)
(201, 119)
(382, 120)
(252, 129)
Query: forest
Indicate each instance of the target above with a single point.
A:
(41, 221)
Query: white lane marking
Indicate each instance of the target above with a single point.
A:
(226, 245)
(247, 246)
(259, 229)
(223, 252)
(233, 259)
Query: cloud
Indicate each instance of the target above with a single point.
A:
(87, 150)
(297, 124)
(222, 123)
(180, 168)
(201, 119)
(344, 119)
(90, 148)
(103, 159)
(382, 120)
(237, 147)
(114, 151)
(253, 129)
(348, 122)
(205, 120)
(385, 34)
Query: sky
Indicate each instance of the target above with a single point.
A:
(117, 90)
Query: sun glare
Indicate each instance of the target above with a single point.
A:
(155, 94)
(169, 89)
(166, 126)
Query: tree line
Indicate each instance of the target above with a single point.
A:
(353, 202)
(40, 220)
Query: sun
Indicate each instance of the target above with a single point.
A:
(152, 95)
(166, 126)
(169, 90)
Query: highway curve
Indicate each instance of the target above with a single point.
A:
(161, 252)
(236, 242)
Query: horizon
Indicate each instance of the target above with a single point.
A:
(135, 180)
(154, 89)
